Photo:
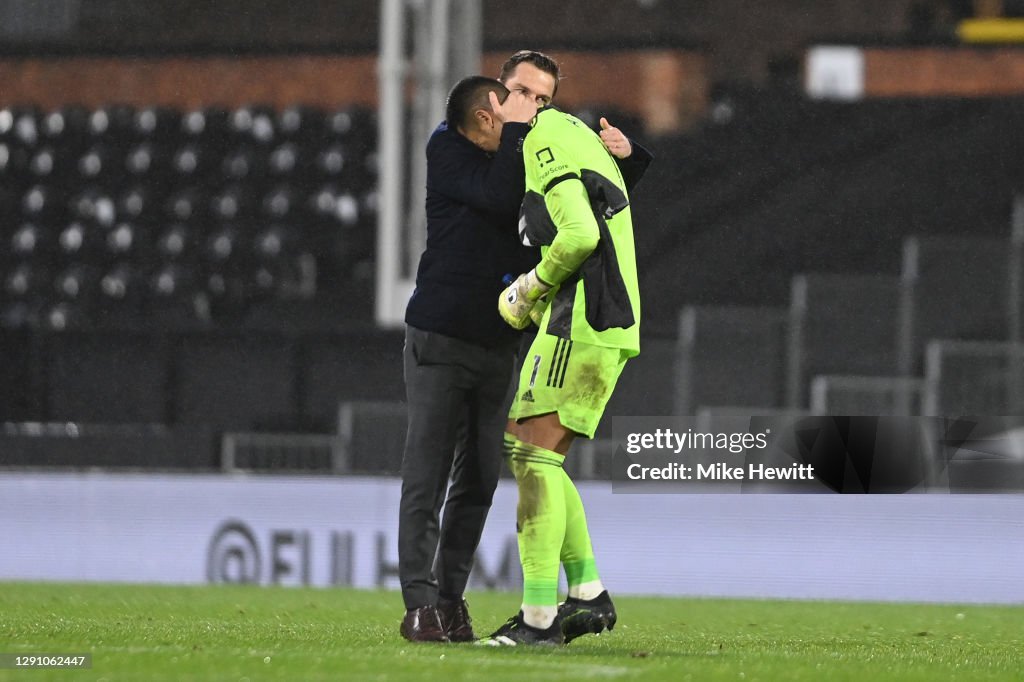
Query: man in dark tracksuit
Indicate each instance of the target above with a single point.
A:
(459, 353)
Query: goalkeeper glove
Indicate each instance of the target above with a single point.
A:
(518, 299)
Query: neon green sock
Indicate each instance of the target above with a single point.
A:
(577, 553)
(540, 521)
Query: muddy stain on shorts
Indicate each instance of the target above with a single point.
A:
(590, 390)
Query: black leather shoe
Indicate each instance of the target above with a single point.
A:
(423, 625)
(455, 619)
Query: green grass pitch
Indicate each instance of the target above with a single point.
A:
(140, 633)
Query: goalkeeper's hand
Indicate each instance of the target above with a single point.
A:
(519, 298)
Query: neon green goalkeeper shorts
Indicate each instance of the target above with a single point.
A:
(571, 378)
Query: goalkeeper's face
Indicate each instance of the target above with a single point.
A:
(536, 84)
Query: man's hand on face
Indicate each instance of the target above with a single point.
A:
(614, 140)
(517, 108)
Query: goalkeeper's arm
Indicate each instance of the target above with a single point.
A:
(577, 234)
(576, 239)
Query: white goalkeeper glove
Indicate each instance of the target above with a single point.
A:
(518, 299)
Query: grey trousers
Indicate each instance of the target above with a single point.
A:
(458, 397)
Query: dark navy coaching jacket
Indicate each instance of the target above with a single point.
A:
(473, 200)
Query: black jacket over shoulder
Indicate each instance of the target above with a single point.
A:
(473, 200)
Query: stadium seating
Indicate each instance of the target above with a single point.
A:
(113, 216)
(733, 211)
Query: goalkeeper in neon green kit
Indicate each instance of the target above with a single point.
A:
(584, 297)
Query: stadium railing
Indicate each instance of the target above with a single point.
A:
(373, 434)
(973, 378)
(369, 440)
(953, 287)
(729, 356)
(284, 453)
(865, 395)
(839, 324)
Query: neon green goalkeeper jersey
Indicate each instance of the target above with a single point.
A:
(577, 209)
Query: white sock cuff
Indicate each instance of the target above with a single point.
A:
(539, 616)
(587, 591)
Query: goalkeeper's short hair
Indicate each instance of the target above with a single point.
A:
(544, 62)
(470, 95)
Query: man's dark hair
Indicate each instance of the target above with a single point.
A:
(469, 95)
(538, 59)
